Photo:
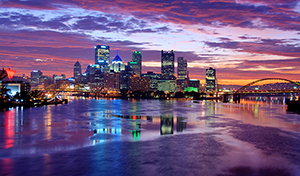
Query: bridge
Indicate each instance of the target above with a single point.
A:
(276, 91)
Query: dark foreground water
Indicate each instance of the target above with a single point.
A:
(150, 137)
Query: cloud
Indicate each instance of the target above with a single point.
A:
(250, 14)
(29, 4)
(73, 27)
(262, 46)
(17, 20)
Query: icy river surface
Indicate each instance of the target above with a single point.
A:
(150, 137)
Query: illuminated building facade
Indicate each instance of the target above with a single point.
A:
(135, 67)
(211, 80)
(117, 65)
(102, 54)
(167, 85)
(137, 57)
(77, 70)
(58, 78)
(167, 64)
(181, 73)
(154, 80)
(139, 83)
(35, 76)
(20, 88)
(194, 85)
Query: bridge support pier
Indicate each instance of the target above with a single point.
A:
(225, 98)
(237, 98)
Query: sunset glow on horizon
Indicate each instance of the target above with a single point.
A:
(243, 40)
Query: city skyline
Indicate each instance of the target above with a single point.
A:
(242, 40)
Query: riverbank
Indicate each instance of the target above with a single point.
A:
(6, 105)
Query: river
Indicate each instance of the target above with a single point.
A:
(150, 137)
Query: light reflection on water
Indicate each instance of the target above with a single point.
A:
(228, 132)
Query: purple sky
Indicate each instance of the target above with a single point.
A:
(242, 39)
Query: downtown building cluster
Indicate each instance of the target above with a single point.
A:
(116, 75)
(107, 76)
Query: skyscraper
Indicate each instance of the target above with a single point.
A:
(77, 70)
(167, 63)
(181, 72)
(211, 80)
(117, 64)
(35, 76)
(101, 54)
(134, 66)
(137, 57)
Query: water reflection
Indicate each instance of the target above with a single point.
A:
(87, 122)
(136, 124)
(168, 137)
(166, 125)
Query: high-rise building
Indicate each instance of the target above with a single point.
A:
(181, 73)
(134, 67)
(167, 64)
(137, 57)
(35, 76)
(77, 70)
(211, 80)
(102, 55)
(117, 64)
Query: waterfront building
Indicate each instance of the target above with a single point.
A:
(35, 76)
(139, 83)
(167, 85)
(137, 57)
(181, 73)
(102, 54)
(194, 85)
(117, 65)
(20, 88)
(167, 64)
(77, 70)
(154, 80)
(211, 80)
